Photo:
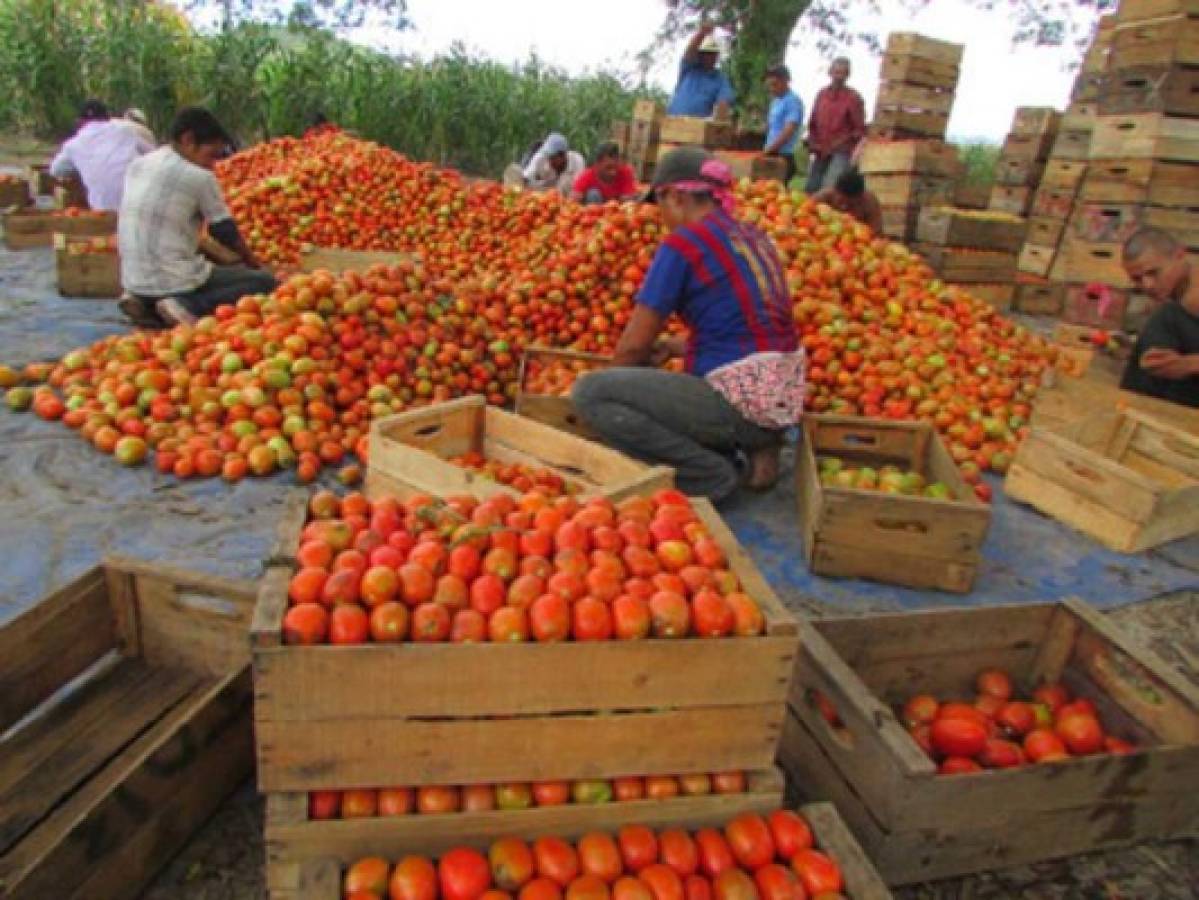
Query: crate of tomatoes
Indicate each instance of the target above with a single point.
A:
(964, 740)
(514, 639)
(778, 855)
(547, 375)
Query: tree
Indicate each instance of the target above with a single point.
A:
(761, 30)
(337, 14)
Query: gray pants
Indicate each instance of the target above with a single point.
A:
(675, 420)
(226, 284)
(823, 171)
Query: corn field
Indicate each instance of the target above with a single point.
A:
(456, 109)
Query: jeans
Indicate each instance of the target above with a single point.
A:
(593, 196)
(664, 418)
(823, 171)
(226, 284)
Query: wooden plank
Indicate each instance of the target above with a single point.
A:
(1027, 147)
(862, 881)
(1014, 201)
(1035, 120)
(1145, 136)
(909, 43)
(1141, 181)
(1073, 144)
(701, 132)
(951, 227)
(910, 122)
(1064, 173)
(297, 756)
(1166, 41)
(1140, 10)
(1105, 223)
(916, 157)
(52, 642)
(1000, 296)
(1088, 262)
(1173, 90)
(899, 95)
(1054, 651)
(906, 190)
(967, 264)
(1036, 260)
(1040, 299)
(266, 626)
(335, 259)
(921, 71)
(1019, 172)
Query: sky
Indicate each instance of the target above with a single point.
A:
(579, 35)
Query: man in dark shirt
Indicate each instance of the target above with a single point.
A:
(1165, 360)
(849, 195)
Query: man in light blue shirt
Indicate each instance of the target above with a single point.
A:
(702, 89)
(784, 121)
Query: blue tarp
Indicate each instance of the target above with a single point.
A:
(63, 505)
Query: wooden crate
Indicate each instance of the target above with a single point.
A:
(1146, 136)
(1046, 232)
(1080, 116)
(899, 222)
(69, 192)
(1140, 10)
(914, 541)
(557, 412)
(1141, 181)
(910, 190)
(101, 786)
(1019, 172)
(317, 874)
(999, 296)
(477, 713)
(1072, 144)
(1105, 222)
(898, 122)
(26, 229)
(912, 157)
(1029, 147)
(14, 194)
(917, 825)
(1182, 223)
(1036, 259)
(1168, 41)
(1092, 261)
(972, 195)
(702, 132)
(1053, 203)
(41, 182)
(1039, 298)
(900, 95)
(91, 275)
(908, 43)
(1015, 201)
(968, 266)
(648, 111)
(337, 260)
(1036, 120)
(1127, 479)
(952, 227)
(1096, 305)
(920, 71)
(1088, 86)
(408, 454)
(1064, 173)
(1173, 90)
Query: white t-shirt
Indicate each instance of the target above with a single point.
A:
(100, 153)
(167, 199)
(541, 176)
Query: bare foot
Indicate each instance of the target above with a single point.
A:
(763, 469)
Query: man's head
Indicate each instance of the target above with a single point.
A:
(848, 188)
(709, 53)
(555, 148)
(1157, 264)
(199, 137)
(607, 161)
(686, 183)
(93, 111)
(838, 72)
(778, 80)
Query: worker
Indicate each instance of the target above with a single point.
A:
(1165, 358)
(168, 195)
(610, 178)
(784, 120)
(554, 166)
(849, 195)
(719, 424)
(99, 153)
(837, 126)
(702, 91)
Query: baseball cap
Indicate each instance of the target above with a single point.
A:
(778, 70)
(710, 45)
(680, 164)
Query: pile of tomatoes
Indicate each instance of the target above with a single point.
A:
(996, 731)
(511, 570)
(751, 857)
(402, 801)
(517, 475)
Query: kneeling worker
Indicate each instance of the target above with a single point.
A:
(169, 194)
(609, 179)
(849, 195)
(554, 166)
(1165, 360)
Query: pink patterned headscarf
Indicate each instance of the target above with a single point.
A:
(717, 180)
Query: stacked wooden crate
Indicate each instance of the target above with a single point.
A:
(1022, 159)
(644, 132)
(906, 175)
(1143, 166)
(919, 78)
(974, 249)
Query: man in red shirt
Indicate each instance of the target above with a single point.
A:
(837, 126)
(608, 179)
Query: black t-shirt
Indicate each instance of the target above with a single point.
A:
(1170, 328)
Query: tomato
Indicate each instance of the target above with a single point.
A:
(587, 887)
(677, 850)
(994, 683)
(396, 801)
(663, 881)
(697, 887)
(512, 864)
(463, 874)
(777, 882)
(750, 840)
(920, 710)
(1053, 696)
(958, 765)
(734, 884)
(638, 847)
(958, 737)
(1080, 732)
(324, 804)
(818, 873)
(715, 855)
(551, 793)
(368, 875)
(790, 832)
(556, 860)
(627, 888)
(600, 856)
(1017, 718)
(1042, 745)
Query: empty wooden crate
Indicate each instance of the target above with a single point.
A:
(546, 377)
(1128, 480)
(919, 825)
(126, 721)
(917, 541)
(409, 453)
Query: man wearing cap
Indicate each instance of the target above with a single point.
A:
(720, 424)
(100, 153)
(837, 126)
(554, 166)
(784, 119)
(702, 89)
(169, 195)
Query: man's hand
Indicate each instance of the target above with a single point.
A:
(666, 348)
(1169, 364)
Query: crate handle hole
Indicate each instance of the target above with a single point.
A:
(859, 440)
(428, 431)
(905, 525)
(1082, 471)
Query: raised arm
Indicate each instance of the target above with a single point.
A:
(691, 52)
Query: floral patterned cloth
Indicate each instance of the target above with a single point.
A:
(766, 388)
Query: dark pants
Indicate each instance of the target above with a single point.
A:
(823, 171)
(226, 284)
(674, 420)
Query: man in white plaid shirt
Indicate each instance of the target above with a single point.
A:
(169, 194)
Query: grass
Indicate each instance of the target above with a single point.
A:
(979, 159)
